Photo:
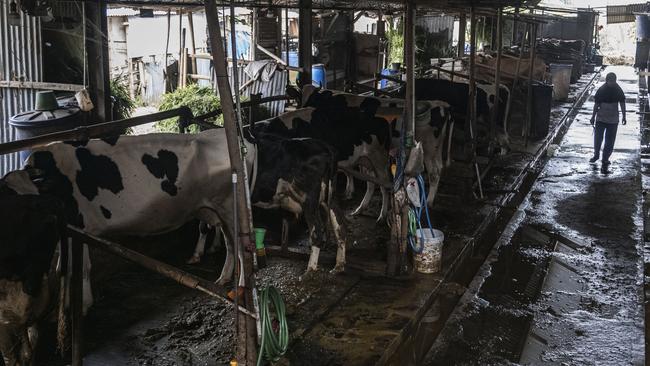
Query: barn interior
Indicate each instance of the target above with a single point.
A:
(500, 268)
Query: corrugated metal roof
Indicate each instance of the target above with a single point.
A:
(129, 12)
(624, 13)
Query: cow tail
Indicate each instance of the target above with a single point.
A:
(62, 318)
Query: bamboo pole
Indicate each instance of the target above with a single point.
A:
(246, 351)
(190, 22)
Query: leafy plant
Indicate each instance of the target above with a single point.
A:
(200, 100)
(395, 38)
(122, 103)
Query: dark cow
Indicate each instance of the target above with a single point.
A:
(356, 133)
(30, 229)
(456, 95)
(433, 128)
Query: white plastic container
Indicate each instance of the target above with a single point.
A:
(561, 78)
(430, 260)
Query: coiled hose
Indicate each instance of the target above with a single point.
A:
(273, 344)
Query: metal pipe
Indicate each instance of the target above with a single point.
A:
(164, 269)
(529, 96)
(83, 133)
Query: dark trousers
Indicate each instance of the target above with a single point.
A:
(609, 130)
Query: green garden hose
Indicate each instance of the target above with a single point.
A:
(273, 344)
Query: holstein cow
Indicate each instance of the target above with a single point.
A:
(433, 128)
(30, 229)
(358, 135)
(152, 184)
(456, 95)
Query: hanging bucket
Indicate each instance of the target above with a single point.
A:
(430, 260)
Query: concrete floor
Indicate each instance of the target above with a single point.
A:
(588, 309)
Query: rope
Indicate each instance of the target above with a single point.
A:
(274, 343)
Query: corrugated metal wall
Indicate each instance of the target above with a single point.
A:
(20, 59)
(436, 23)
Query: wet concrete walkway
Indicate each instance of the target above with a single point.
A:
(590, 309)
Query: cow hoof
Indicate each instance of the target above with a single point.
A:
(194, 260)
(338, 269)
(309, 273)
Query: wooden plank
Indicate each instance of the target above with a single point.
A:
(39, 85)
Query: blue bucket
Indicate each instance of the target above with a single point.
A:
(318, 75)
(388, 72)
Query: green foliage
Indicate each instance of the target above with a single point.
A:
(122, 103)
(395, 37)
(200, 100)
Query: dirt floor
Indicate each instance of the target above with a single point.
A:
(564, 286)
(141, 318)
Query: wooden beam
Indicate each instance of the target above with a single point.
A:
(40, 85)
(190, 22)
(304, 41)
(97, 57)
(246, 347)
(497, 76)
(462, 26)
(409, 63)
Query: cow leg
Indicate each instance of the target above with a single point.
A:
(370, 191)
(349, 186)
(9, 346)
(312, 219)
(199, 250)
(340, 242)
(385, 203)
(87, 288)
(433, 168)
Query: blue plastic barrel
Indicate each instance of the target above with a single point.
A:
(293, 58)
(642, 27)
(318, 75)
(388, 72)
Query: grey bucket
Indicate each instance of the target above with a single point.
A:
(561, 78)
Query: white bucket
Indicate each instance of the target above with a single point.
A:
(561, 77)
(430, 260)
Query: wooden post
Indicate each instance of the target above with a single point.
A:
(409, 63)
(286, 40)
(462, 26)
(470, 122)
(472, 101)
(76, 300)
(247, 347)
(131, 80)
(181, 58)
(97, 56)
(190, 22)
(304, 41)
(529, 95)
(497, 75)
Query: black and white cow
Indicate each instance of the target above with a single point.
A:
(434, 127)
(357, 134)
(151, 184)
(31, 226)
(455, 93)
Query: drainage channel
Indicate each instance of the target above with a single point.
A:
(493, 320)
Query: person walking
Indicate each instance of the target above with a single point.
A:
(607, 99)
